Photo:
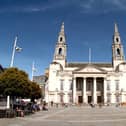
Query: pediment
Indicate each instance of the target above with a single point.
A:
(90, 69)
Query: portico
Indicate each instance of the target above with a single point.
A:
(88, 89)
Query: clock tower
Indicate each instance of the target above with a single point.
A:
(117, 48)
(60, 49)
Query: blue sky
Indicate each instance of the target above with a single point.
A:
(88, 24)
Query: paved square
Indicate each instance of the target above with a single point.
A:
(72, 116)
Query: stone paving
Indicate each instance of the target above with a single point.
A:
(72, 116)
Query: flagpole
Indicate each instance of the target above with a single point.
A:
(89, 55)
(13, 53)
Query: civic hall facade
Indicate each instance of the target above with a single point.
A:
(84, 83)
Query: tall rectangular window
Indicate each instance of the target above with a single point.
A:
(89, 84)
(108, 85)
(99, 84)
(61, 98)
(116, 84)
(89, 87)
(108, 98)
(70, 99)
(117, 99)
(79, 84)
(71, 85)
(61, 84)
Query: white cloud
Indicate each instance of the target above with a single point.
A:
(33, 7)
(86, 6)
(103, 6)
(118, 4)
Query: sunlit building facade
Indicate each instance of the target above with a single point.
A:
(83, 83)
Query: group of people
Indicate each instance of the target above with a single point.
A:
(93, 105)
(44, 106)
(19, 112)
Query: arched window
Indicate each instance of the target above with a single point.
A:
(117, 39)
(61, 39)
(118, 51)
(60, 51)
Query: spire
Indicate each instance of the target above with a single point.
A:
(116, 29)
(117, 48)
(61, 37)
(62, 29)
(61, 49)
(116, 36)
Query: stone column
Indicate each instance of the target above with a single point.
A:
(56, 95)
(8, 102)
(105, 91)
(84, 91)
(74, 90)
(66, 98)
(94, 92)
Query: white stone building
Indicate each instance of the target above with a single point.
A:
(86, 82)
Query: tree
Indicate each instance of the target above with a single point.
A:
(15, 82)
(36, 91)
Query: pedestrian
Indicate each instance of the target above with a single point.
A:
(51, 103)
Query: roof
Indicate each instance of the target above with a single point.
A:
(40, 79)
(108, 65)
(90, 68)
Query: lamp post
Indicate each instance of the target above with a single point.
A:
(33, 70)
(13, 52)
(15, 48)
(11, 65)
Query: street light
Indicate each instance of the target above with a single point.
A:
(15, 48)
(33, 70)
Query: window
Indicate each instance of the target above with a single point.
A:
(79, 86)
(61, 39)
(79, 82)
(60, 51)
(116, 84)
(117, 39)
(99, 84)
(89, 85)
(118, 51)
(117, 99)
(71, 85)
(61, 98)
(70, 99)
(108, 85)
(61, 84)
(108, 98)
(99, 87)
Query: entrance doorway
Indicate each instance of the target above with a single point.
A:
(89, 99)
(99, 99)
(80, 99)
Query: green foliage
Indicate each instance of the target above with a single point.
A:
(15, 82)
(36, 91)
